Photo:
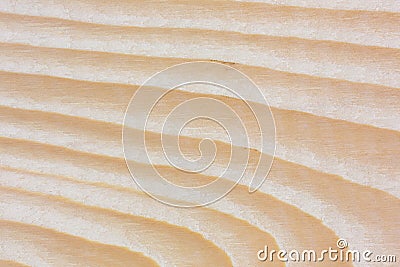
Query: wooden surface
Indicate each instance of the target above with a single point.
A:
(330, 71)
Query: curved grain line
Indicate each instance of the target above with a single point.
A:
(35, 246)
(296, 127)
(99, 66)
(358, 103)
(272, 215)
(9, 263)
(356, 5)
(372, 28)
(317, 58)
(224, 230)
(106, 226)
(240, 199)
(315, 191)
(23, 28)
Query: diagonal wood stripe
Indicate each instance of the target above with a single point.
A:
(48, 247)
(355, 26)
(105, 226)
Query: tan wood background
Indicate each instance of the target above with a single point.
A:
(330, 71)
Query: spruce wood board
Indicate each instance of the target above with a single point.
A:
(330, 71)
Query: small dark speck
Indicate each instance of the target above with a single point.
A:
(223, 62)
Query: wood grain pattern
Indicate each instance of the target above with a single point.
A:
(330, 71)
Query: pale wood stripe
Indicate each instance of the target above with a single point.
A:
(368, 155)
(109, 227)
(369, 28)
(359, 103)
(263, 211)
(6, 263)
(99, 137)
(368, 5)
(324, 194)
(45, 247)
(205, 221)
(115, 68)
(374, 65)
(108, 179)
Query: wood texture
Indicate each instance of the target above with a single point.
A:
(330, 70)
